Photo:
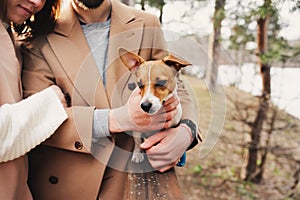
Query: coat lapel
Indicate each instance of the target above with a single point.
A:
(126, 31)
(10, 69)
(73, 52)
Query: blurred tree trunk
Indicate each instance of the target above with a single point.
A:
(214, 45)
(161, 13)
(265, 151)
(262, 43)
(143, 4)
(159, 4)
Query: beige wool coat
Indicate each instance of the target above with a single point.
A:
(68, 166)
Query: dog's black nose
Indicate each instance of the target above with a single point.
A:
(146, 106)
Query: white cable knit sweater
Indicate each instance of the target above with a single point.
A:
(26, 124)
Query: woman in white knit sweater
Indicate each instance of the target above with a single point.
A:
(25, 124)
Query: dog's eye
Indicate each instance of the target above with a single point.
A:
(160, 83)
(140, 84)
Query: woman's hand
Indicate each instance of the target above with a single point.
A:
(59, 94)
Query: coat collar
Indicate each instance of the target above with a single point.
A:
(122, 14)
(74, 55)
(10, 64)
(68, 19)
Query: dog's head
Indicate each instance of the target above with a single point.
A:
(156, 79)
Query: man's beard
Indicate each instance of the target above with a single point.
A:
(88, 4)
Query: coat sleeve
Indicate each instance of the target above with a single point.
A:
(75, 133)
(28, 123)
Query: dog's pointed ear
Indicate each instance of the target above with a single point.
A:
(131, 60)
(175, 62)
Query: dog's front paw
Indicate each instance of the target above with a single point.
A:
(137, 157)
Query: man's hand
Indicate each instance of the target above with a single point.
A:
(131, 117)
(165, 148)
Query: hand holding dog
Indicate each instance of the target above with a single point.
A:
(131, 117)
(165, 148)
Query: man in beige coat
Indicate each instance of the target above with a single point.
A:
(73, 163)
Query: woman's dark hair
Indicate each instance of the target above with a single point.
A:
(2, 9)
(41, 23)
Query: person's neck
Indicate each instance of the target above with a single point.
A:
(100, 14)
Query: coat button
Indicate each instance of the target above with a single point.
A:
(53, 179)
(78, 145)
(131, 86)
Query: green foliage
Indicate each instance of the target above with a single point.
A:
(265, 10)
(243, 32)
(244, 188)
(279, 50)
(240, 37)
(197, 169)
(218, 17)
(156, 3)
(296, 5)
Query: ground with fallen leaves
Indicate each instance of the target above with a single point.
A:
(219, 175)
